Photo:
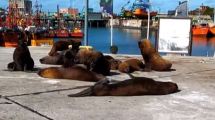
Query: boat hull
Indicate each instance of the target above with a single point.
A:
(212, 30)
(200, 31)
(141, 13)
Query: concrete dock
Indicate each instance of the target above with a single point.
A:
(26, 96)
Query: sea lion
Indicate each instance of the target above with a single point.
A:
(64, 45)
(94, 60)
(56, 59)
(131, 65)
(22, 59)
(131, 87)
(71, 73)
(114, 63)
(153, 61)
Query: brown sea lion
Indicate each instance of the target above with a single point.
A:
(131, 87)
(71, 73)
(114, 63)
(22, 60)
(153, 61)
(64, 45)
(94, 60)
(131, 65)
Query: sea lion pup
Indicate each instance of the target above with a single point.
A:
(131, 87)
(114, 63)
(63, 45)
(131, 65)
(153, 61)
(22, 60)
(71, 73)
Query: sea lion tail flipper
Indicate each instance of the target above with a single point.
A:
(86, 92)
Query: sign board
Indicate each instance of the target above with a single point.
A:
(174, 35)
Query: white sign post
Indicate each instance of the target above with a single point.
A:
(174, 35)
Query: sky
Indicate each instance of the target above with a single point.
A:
(159, 5)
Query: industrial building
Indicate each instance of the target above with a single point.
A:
(23, 6)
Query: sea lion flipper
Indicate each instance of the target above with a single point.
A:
(86, 92)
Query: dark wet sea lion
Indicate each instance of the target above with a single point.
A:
(22, 59)
(71, 73)
(131, 65)
(153, 61)
(131, 87)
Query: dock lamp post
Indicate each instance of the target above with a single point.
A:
(148, 24)
(113, 48)
(86, 23)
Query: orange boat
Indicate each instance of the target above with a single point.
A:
(10, 39)
(62, 33)
(201, 30)
(212, 30)
(77, 33)
(142, 13)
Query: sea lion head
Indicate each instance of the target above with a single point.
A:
(69, 57)
(168, 87)
(56, 59)
(146, 47)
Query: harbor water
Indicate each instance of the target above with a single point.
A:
(127, 41)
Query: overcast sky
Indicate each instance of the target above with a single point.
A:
(162, 5)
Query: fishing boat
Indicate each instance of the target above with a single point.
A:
(62, 33)
(10, 39)
(141, 13)
(200, 30)
(76, 33)
(212, 30)
(140, 9)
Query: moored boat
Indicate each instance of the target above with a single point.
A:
(140, 9)
(142, 13)
(10, 39)
(62, 33)
(201, 30)
(212, 30)
(77, 33)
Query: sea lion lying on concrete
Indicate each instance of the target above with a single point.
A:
(22, 60)
(153, 61)
(131, 65)
(71, 73)
(63, 45)
(131, 87)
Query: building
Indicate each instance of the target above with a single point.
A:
(23, 6)
(71, 11)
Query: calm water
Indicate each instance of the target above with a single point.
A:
(126, 40)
